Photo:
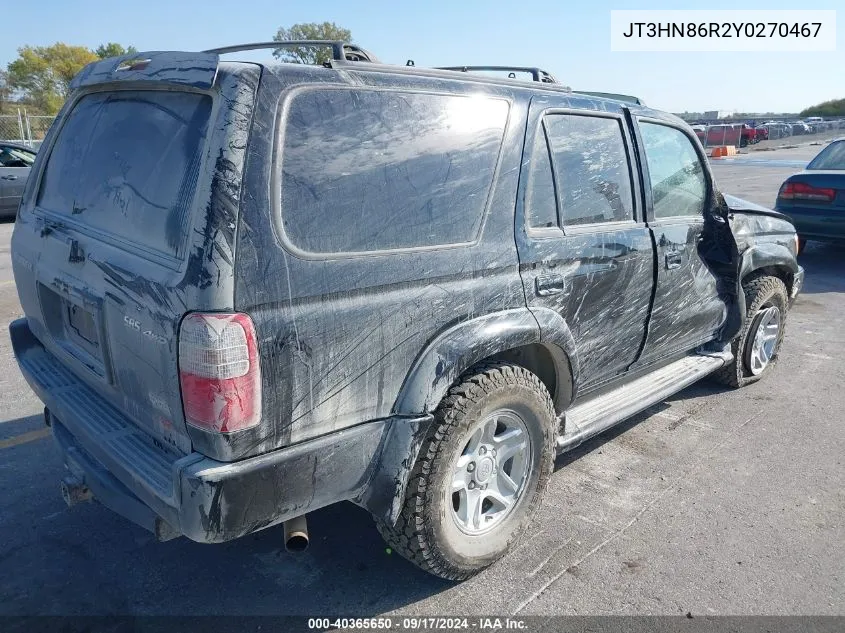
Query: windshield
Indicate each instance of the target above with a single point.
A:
(126, 164)
(831, 157)
(15, 157)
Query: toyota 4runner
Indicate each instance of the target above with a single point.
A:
(251, 291)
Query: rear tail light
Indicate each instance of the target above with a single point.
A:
(803, 191)
(219, 372)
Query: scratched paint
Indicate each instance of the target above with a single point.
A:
(136, 299)
(363, 328)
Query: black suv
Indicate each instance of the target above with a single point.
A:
(255, 290)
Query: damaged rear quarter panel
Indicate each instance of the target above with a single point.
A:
(338, 335)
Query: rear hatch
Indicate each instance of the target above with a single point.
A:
(128, 224)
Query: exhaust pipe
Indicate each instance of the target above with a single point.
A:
(296, 534)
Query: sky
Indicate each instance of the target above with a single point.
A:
(570, 39)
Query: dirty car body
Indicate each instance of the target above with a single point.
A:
(360, 235)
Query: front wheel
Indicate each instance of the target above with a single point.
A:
(756, 349)
(480, 475)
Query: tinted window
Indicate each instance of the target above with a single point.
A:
(831, 157)
(591, 165)
(126, 163)
(677, 176)
(366, 170)
(540, 204)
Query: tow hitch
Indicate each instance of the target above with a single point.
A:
(74, 491)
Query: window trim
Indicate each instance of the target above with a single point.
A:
(702, 159)
(637, 212)
(277, 159)
(547, 231)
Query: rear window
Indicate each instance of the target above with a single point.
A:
(126, 164)
(368, 170)
(831, 157)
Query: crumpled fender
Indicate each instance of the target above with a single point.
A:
(762, 238)
(460, 347)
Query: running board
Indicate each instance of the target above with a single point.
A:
(595, 416)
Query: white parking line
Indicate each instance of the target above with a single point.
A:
(24, 438)
(821, 356)
(668, 416)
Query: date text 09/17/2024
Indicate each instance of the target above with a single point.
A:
(418, 623)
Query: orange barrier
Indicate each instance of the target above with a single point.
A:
(722, 151)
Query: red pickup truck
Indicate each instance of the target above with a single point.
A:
(740, 134)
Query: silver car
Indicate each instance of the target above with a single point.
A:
(15, 163)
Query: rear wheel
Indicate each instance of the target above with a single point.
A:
(755, 350)
(480, 475)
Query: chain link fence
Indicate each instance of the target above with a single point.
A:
(23, 128)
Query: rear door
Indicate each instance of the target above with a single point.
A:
(687, 308)
(129, 224)
(585, 251)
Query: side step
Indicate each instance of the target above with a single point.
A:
(595, 416)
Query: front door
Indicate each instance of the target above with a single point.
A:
(687, 309)
(585, 251)
(14, 170)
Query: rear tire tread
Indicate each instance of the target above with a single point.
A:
(410, 536)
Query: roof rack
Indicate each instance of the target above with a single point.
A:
(611, 95)
(537, 74)
(341, 51)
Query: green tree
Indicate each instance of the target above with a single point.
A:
(832, 108)
(309, 31)
(4, 90)
(42, 74)
(113, 49)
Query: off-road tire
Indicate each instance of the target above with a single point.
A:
(760, 291)
(420, 533)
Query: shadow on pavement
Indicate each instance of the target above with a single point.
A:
(89, 561)
(705, 387)
(823, 267)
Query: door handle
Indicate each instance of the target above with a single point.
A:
(9, 177)
(549, 284)
(673, 259)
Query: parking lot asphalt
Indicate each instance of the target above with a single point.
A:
(713, 502)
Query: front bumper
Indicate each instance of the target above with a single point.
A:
(169, 494)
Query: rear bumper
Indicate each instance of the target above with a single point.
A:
(813, 223)
(206, 500)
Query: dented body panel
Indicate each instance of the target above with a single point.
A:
(379, 228)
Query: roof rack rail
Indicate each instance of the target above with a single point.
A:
(611, 95)
(537, 74)
(341, 51)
